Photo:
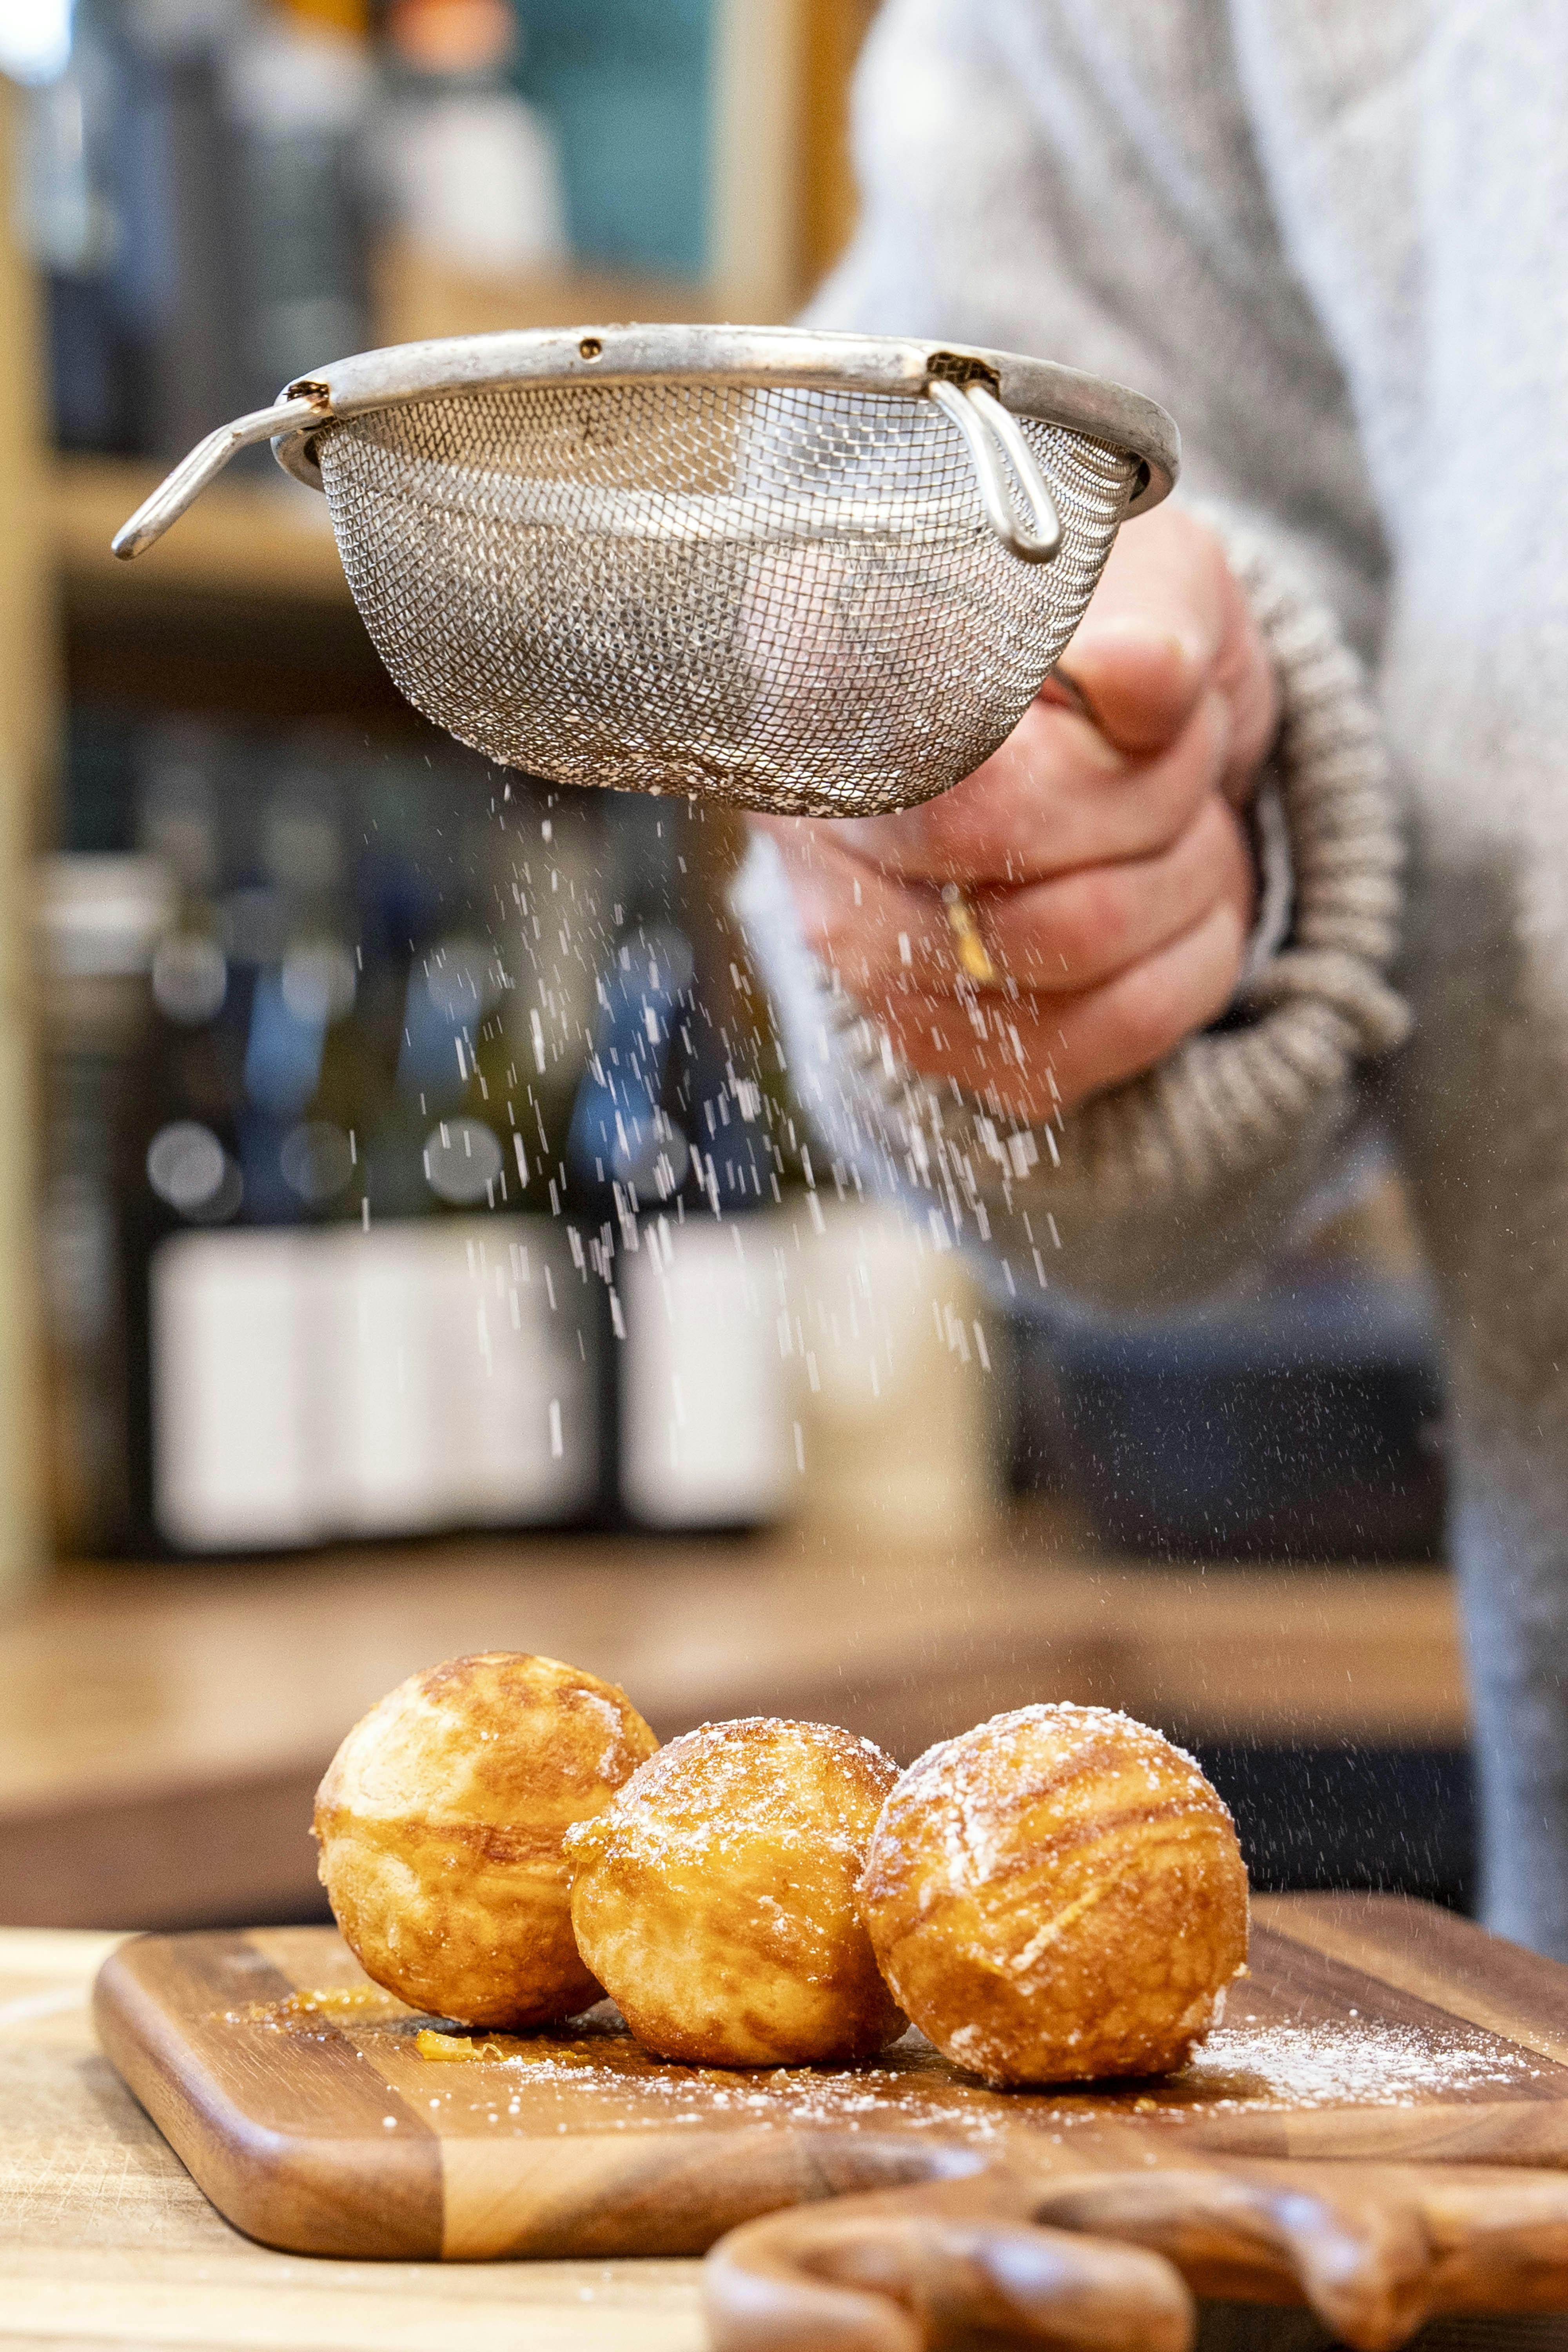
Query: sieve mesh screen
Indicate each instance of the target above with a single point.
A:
(788, 599)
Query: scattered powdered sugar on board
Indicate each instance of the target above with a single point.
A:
(565, 2085)
(1372, 2063)
(598, 2078)
(1257, 2063)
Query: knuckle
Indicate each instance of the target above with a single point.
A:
(1150, 1018)
(1094, 920)
(1167, 997)
(1174, 787)
(1215, 844)
(1213, 855)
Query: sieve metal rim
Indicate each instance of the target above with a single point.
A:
(799, 357)
(795, 357)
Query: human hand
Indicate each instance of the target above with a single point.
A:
(1106, 861)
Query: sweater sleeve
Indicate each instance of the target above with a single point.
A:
(1186, 1175)
(1084, 182)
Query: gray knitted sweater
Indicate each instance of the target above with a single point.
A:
(1332, 239)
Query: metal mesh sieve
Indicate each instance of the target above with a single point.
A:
(794, 595)
(782, 597)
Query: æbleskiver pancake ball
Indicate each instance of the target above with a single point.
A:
(714, 1897)
(440, 1821)
(1056, 1896)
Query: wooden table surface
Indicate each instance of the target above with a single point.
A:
(105, 2239)
(161, 1730)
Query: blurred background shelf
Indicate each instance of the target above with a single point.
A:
(244, 539)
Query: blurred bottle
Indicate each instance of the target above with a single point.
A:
(203, 980)
(225, 1450)
(71, 226)
(481, 1358)
(900, 1373)
(453, 990)
(473, 1396)
(703, 1433)
(305, 1064)
(125, 209)
(300, 96)
(194, 195)
(178, 289)
(245, 1301)
(183, 1172)
(99, 919)
(188, 1145)
(466, 169)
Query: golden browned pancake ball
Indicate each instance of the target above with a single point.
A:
(715, 1899)
(1056, 1895)
(441, 1823)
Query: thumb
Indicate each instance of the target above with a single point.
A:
(1145, 649)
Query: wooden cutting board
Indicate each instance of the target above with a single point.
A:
(1370, 2027)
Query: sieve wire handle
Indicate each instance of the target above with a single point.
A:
(992, 433)
(206, 460)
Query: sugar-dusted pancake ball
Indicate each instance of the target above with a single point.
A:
(715, 1899)
(441, 1823)
(1057, 1894)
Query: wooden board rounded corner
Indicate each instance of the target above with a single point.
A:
(373, 2193)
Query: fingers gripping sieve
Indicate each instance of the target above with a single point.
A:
(805, 572)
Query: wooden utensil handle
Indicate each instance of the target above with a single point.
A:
(864, 2281)
(1112, 2257)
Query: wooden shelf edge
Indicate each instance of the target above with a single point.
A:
(241, 539)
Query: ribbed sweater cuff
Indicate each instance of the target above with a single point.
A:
(1235, 1098)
